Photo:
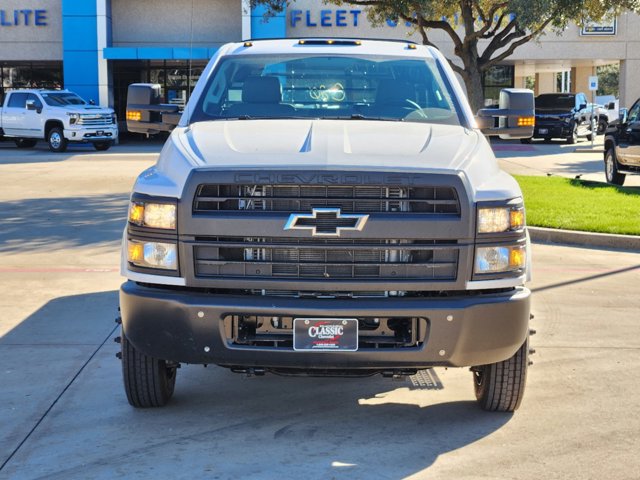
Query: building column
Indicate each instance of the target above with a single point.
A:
(629, 85)
(545, 82)
(270, 27)
(580, 79)
(86, 31)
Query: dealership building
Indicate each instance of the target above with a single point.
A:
(98, 47)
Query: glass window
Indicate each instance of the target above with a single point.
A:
(17, 100)
(634, 113)
(556, 100)
(323, 86)
(35, 100)
(56, 99)
(494, 80)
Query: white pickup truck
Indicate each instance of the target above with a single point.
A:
(57, 116)
(327, 207)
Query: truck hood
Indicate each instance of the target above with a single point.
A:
(339, 144)
(346, 145)
(90, 109)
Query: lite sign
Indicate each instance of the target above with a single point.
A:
(23, 18)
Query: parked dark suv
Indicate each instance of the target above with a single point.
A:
(562, 115)
(622, 146)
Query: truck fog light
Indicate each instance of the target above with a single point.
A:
(500, 259)
(153, 254)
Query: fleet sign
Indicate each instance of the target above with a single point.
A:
(23, 18)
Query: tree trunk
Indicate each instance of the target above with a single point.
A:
(473, 83)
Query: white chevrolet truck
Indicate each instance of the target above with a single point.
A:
(327, 207)
(58, 117)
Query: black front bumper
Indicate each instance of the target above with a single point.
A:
(186, 326)
(553, 130)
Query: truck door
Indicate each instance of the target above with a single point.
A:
(628, 150)
(14, 113)
(33, 124)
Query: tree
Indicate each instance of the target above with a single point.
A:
(486, 31)
(608, 80)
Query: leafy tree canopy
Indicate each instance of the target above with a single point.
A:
(486, 31)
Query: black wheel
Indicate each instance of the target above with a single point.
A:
(525, 140)
(592, 128)
(602, 126)
(25, 142)
(57, 142)
(611, 168)
(102, 146)
(573, 137)
(499, 386)
(148, 382)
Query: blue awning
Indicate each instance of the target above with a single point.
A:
(158, 53)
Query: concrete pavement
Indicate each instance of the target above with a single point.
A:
(555, 158)
(63, 413)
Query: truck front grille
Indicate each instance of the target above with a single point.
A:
(97, 120)
(325, 258)
(349, 198)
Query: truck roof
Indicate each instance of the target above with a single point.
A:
(37, 90)
(338, 45)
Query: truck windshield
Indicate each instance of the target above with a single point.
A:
(553, 101)
(56, 99)
(328, 87)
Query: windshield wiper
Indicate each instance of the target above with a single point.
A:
(359, 116)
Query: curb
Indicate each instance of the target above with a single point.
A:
(584, 239)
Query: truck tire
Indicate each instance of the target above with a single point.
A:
(57, 142)
(573, 137)
(611, 168)
(525, 140)
(499, 387)
(148, 381)
(602, 126)
(102, 146)
(594, 127)
(25, 142)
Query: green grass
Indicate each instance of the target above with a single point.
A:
(556, 202)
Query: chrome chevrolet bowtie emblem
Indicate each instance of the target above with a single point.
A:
(326, 222)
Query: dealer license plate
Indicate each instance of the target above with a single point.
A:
(543, 131)
(325, 334)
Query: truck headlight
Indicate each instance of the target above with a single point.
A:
(153, 254)
(73, 118)
(500, 220)
(500, 259)
(153, 215)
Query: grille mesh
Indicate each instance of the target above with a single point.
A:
(325, 259)
(349, 198)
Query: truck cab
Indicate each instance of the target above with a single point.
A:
(327, 207)
(58, 117)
